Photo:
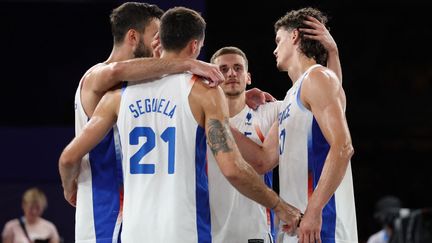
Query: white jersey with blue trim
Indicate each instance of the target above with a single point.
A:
(236, 218)
(98, 206)
(164, 164)
(303, 150)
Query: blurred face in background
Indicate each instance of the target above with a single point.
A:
(32, 210)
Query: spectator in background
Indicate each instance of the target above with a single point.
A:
(31, 227)
(386, 211)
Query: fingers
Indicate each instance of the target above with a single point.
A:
(313, 19)
(317, 237)
(301, 237)
(216, 78)
(269, 97)
(313, 25)
(309, 31)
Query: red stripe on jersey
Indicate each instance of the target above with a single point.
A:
(310, 184)
(259, 133)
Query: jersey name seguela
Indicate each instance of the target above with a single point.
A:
(155, 105)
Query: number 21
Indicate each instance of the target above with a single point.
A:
(167, 136)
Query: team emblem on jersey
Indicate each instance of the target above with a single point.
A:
(248, 119)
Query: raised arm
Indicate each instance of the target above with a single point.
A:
(99, 125)
(322, 93)
(263, 158)
(320, 33)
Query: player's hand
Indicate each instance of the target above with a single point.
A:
(318, 32)
(156, 46)
(255, 97)
(290, 215)
(209, 71)
(70, 193)
(310, 227)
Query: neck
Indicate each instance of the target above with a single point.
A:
(120, 53)
(300, 63)
(181, 54)
(236, 104)
(31, 220)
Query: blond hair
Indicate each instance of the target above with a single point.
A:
(35, 195)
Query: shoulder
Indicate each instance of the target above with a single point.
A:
(320, 84)
(378, 237)
(10, 225)
(321, 77)
(207, 95)
(48, 224)
(95, 67)
(88, 79)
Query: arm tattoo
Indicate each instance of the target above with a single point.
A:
(218, 136)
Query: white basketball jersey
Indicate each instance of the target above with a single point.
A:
(236, 218)
(303, 150)
(164, 164)
(98, 208)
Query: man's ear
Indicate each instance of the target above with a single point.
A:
(131, 37)
(295, 36)
(248, 78)
(194, 46)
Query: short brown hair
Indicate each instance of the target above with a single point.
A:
(229, 50)
(180, 25)
(132, 15)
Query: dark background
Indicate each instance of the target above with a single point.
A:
(385, 50)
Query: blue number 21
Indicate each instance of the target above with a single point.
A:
(167, 136)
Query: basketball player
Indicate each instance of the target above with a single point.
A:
(98, 212)
(163, 127)
(230, 212)
(311, 139)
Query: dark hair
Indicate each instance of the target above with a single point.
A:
(294, 20)
(229, 50)
(387, 210)
(132, 15)
(178, 26)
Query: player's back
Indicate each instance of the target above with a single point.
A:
(164, 149)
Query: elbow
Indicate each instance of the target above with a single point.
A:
(347, 151)
(261, 168)
(67, 160)
(231, 173)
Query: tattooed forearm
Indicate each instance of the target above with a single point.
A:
(218, 136)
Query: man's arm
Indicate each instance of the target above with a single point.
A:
(105, 77)
(221, 142)
(320, 33)
(94, 131)
(263, 158)
(322, 93)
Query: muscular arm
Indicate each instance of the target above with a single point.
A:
(263, 158)
(101, 122)
(240, 174)
(322, 93)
